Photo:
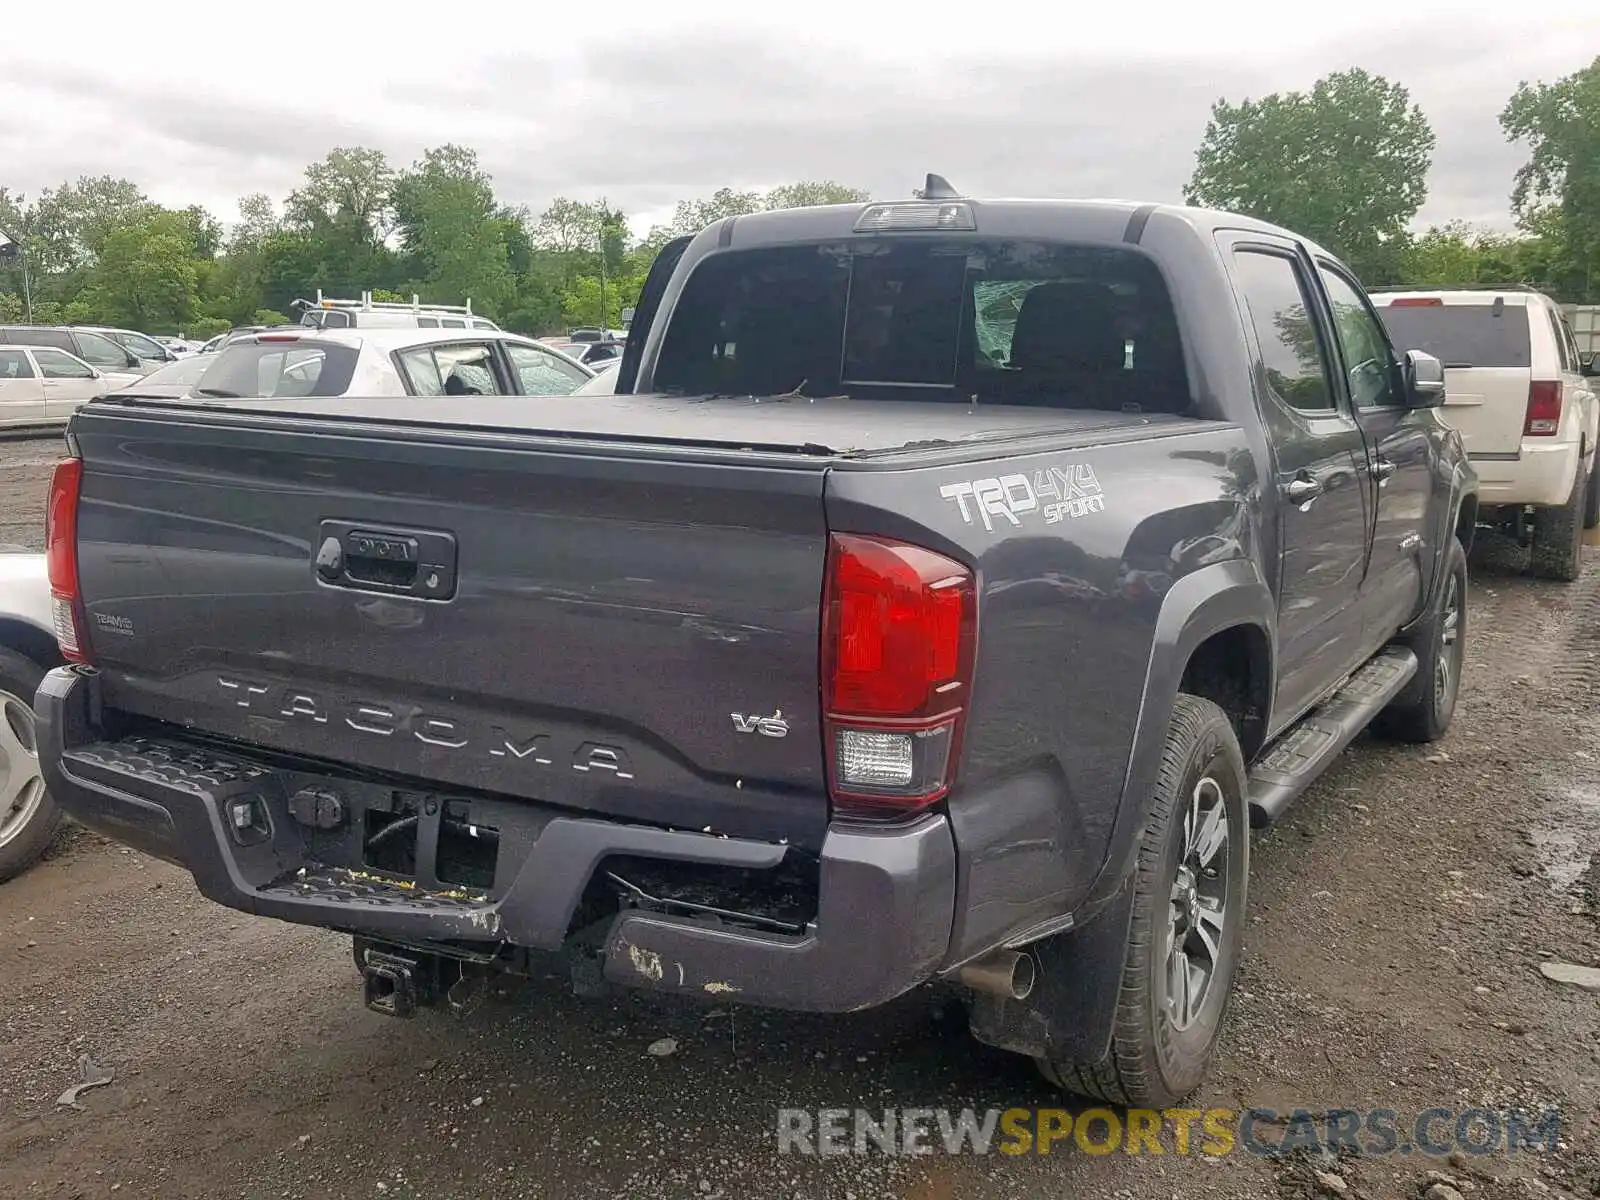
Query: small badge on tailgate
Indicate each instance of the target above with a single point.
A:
(774, 726)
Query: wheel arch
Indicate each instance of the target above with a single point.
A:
(27, 639)
(1206, 616)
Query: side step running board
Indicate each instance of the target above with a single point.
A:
(1304, 752)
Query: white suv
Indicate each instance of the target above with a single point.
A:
(1525, 406)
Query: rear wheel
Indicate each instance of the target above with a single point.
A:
(1188, 921)
(29, 818)
(1558, 536)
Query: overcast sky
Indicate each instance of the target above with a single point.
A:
(651, 103)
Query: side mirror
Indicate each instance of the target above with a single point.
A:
(1424, 380)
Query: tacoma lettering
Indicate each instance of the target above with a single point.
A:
(445, 733)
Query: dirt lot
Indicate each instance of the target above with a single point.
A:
(1400, 913)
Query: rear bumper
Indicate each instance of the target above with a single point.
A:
(1539, 473)
(884, 914)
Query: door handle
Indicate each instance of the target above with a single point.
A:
(1303, 489)
(372, 558)
(1382, 469)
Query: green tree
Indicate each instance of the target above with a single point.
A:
(691, 216)
(1345, 164)
(452, 229)
(145, 276)
(352, 186)
(1557, 190)
(74, 221)
(808, 193)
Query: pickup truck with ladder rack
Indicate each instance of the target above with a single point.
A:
(328, 313)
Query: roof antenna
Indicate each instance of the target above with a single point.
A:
(936, 188)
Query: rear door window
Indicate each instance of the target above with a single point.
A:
(1293, 358)
(464, 369)
(1567, 364)
(1461, 335)
(14, 364)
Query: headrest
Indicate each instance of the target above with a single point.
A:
(1068, 326)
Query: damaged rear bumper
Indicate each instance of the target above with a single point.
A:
(884, 906)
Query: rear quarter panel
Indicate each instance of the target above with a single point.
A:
(1072, 588)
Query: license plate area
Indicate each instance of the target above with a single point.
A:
(439, 842)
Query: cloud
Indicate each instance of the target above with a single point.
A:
(654, 115)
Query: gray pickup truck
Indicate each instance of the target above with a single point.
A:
(944, 593)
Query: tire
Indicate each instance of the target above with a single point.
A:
(1155, 1058)
(29, 818)
(1591, 496)
(1423, 711)
(1558, 537)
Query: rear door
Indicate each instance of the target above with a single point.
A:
(21, 391)
(465, 368)
(1487, 355)
(1320, 462)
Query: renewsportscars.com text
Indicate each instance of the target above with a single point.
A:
(1212, 1131)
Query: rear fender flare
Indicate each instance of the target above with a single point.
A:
(1084, 967)
(1463, 491)
(1206, 602)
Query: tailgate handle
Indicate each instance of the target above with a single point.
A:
(368, 558)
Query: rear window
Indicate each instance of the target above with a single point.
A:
(279, 369)
(1051, 324)
(1462, 335)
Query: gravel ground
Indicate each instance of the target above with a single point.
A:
(1399, 914)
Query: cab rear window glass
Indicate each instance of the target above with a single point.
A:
(1041, 323)
(279, 369)
(1461, 335)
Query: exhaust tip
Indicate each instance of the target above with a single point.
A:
(1007, 973)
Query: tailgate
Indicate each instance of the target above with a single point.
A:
(1488, 406)
(610, 614)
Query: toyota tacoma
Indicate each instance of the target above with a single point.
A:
(946, 590)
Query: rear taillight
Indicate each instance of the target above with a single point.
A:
(898, 636)
(61, 558)
(1544, 409)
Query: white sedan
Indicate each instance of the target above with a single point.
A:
(29, 818)
(295, 360)
(41, 385)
